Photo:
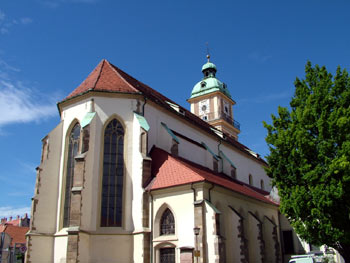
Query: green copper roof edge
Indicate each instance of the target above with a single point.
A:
(227, 159)
(170, 132)
(87, 119)
(211, 152)
(213, 207)
(142, 121)
(208, 91)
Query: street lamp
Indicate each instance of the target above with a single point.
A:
(196, 231)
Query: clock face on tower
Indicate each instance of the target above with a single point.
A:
(203, 107)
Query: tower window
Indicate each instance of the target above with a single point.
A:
(73, 148)
(113, 175)
(167, 223)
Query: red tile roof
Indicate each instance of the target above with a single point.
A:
(14, 222)
(17, 233)
(104, 78)
(108, 78)
(169, 171)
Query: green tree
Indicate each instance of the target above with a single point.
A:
(309, 160)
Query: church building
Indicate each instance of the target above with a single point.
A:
(128, 175)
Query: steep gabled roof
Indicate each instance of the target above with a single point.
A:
(108, 78)
(103, 78)
(17, 233)
(169, 171)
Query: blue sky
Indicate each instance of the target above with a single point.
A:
(48, 47)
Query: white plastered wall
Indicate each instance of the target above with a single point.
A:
(106, 109)
(180, 202)
(245, 166)
(224, 198)
(158, 136)
(211, 237)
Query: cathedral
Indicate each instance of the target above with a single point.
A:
(128, 175)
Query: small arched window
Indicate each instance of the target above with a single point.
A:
(167, 223)
(73, 147)
(233, 172)
(262, 186)
(113, 175)
(250, 179)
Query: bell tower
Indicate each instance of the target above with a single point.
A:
(211, 101)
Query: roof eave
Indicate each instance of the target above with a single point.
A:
(92, 90)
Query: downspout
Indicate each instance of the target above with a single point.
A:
(211, 188)
(143, 106)
(151, 237)
(194, 193)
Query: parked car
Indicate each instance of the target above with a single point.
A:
(302, 259)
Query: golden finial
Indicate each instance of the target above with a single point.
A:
(208, 55)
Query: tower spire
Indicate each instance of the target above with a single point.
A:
(211, 101)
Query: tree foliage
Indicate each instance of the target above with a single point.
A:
(309, 158)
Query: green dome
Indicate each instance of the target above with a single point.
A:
(209, 85)
(208, 65)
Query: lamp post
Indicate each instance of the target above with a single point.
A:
(196, 231)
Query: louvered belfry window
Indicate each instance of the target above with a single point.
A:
(167, 223)
(73, 148)
(113, 175)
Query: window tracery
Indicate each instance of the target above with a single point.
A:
(167, 223)
(113, 175)
(73, 148)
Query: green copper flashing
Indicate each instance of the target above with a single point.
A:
(211, 152)
(142, 121)
(213, 207)
(227, 159)
(87, 119)
(170, 132)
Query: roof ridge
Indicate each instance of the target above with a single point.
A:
(99, 74)
(114, 68)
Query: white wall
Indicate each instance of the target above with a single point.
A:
(158, 136)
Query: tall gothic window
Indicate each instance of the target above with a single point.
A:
(167, 223)
(73, 147)
(113, 173)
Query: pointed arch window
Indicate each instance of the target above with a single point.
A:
(113, 175)
(167, 223)
(73, 148)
